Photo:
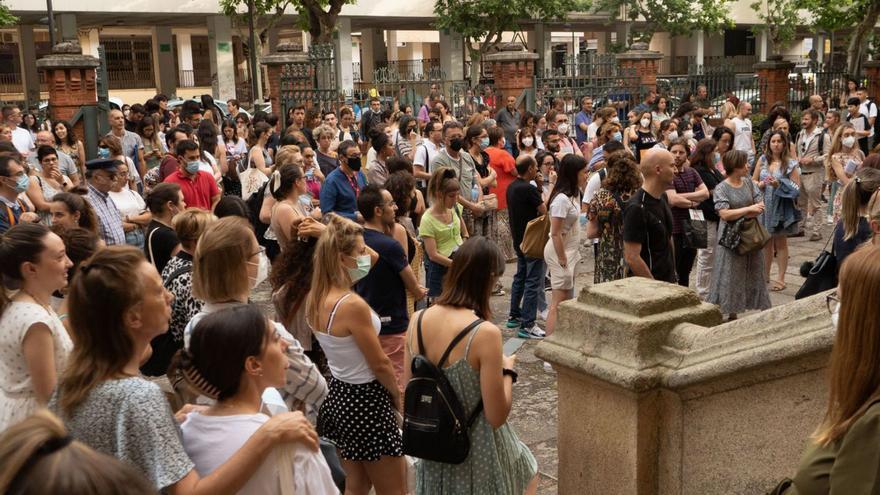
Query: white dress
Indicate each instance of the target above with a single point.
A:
(18, 400)
(569, 210)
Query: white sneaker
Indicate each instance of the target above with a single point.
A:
(542, 315)
(830, 220)
(531, 333)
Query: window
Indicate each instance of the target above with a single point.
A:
(129, 62)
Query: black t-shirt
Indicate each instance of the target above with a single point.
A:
(383, 288)
(648, 221)
(523, 200)
(161, 240)
(843, 248)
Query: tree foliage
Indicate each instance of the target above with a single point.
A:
(318, 17)
(856, 18)
(482, 22)
(6, 17)
(779, 20)
(676, 17)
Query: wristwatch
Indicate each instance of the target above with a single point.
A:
(509, 372)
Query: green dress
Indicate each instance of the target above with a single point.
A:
(498, 464)
(850, 465)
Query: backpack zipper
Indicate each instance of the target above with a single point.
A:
(445, 401)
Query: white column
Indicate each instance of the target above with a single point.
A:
(576, 51)
(94, 40)
(342, 48)
(539, 42)
(306, 41)
(391, 42)
(184, 51)
(762, 46)
(222, 62)
(452, 55)
(701, 48)
(819, 46)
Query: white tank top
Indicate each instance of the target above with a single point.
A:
(742, 138)
(345, 359)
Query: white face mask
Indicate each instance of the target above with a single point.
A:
(848, 141)
(528, 141)
(689, 134)
(616, 120)
(645, 122)
(262, 269)
(673, 135)
(563, 128)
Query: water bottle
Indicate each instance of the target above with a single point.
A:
(475, 193)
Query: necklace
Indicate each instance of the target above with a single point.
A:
(42, 304)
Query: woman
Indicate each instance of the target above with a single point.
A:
(29, 122)
(258, 156)
(34, 346)
(854, 227)
(526, 142)
(406, 139)
(46, 183)
(666, 134)
(660, 112)
(600, 118)
(402, 187)
(6, 132)
(783, 125)
(605, 214)
(213, 153)
(79, 245)
(640, 136)
(476, 141)
(562, 251)
(153, 149)
(117, 306)
(442, 108)
(110, 146)
(686, 194)
(132, 208)
(243, 125)
(69, 210)
(851, 91)
(504, 166)
(38, 456)
(778, 175)
(164, 202)
(314, 176)
(236, 147)
(359, 413)
(347, 128)
(235, 354)
(327, 159)
(289, 188)
(842, 161)
(723, 138)
(841, 455)
(68, 143)
(737, 280)
(703, 162)
(498, 462)
(442, 228)
(547, 165)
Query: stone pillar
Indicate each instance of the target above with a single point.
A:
(30, 78)
(65, 24)
(819, 46)
(773, 81)
(71, 77)
(540, 43)
(623, 32)
(342, 51)
(184, 52)
(373, 52)
(166, 79)
(656, 397)
(285, 53)
(392, 45)
(872, 72)
(763, 42)
(451, 55)
(645, 63)
(222, 62)
(701, 48)
(514, 69)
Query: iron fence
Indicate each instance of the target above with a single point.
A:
(192, 78)
(589, 74)
(830, 85)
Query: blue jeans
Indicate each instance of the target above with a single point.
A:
(434, 273)
(527, 292)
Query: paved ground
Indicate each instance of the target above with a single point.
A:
(535, 395)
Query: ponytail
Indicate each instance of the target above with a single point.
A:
(328, 272)
(856, 195)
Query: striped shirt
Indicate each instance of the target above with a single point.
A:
(109, 218)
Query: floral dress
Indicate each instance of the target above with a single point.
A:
(607, 210)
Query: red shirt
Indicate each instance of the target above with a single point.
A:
(505, 169)
(198, 190)
(169, 166)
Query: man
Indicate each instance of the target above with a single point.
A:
(385, 286)
(685, 193)
(647, 104)
(425, 152)
(299, 117)
(170, 163)
(860, 122)
(371, 118)
(13, 181)
(377, 174)
(558, 121)
(135, 114)
(742, 131)
(583, 119)
(21, 137)
(233, 107)
(100, 175)
(832, 122)
(508, 119)
(132, 144)
(192, 117)
(198, 187)
(647, 220)
(869, 109)
(701, 99)
(700, 126)
(818, 105)
(343, 185)
(65, 162)
(524, 203)
(812, 145)
(468, 178)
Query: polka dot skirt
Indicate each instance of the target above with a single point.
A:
(359, 419)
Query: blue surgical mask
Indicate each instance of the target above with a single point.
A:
(484, 143)
(305, 200)
(716, 157)
(104, 153)
(192, 167)
(618, 136)
(21, 184)
(364, 263)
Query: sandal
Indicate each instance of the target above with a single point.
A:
(777, 286)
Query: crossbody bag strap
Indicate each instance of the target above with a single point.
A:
(456, 340)
(176, 273)
(419, 333)
(150, 245)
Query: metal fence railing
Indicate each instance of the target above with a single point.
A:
(193, 78)
(11, 82)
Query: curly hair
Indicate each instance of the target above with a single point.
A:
(623, 173)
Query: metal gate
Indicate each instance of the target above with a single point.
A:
(589, 74)
(398, 89)
(311, 83)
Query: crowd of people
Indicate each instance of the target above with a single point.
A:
(129, 276)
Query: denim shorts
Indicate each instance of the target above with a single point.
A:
(434, 273)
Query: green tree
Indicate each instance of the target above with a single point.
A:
(318, 17)
(482, 22)
(779, 20)
(676, 17)
(6, 17)
(856, 17)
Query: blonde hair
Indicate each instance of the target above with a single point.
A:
(190, 224)
(874, 207)
(340, 237)
(285, 154)
(836, 146)
(728, 110)
(220, 260)
(323, 130)
(72, 467)
(854, 370)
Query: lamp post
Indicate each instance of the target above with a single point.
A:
(252, 51)
(51, 20)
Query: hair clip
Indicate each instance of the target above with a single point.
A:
(858, 180)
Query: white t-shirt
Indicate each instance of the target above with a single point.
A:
(211, 440)
(128, 202)
(593, 186)
(23, 140)
(742, 136)
(869, 109)
(592, 129)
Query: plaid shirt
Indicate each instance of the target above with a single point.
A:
(109, 218)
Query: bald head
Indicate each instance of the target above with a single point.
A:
(658, 168)
(44, 138)
(117, 120)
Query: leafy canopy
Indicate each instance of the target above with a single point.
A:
(676, 17)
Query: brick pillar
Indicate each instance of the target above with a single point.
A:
(872, 73)
(71, 78)
(514, 71)
(294, 65)
(645, 63)
(773, 81)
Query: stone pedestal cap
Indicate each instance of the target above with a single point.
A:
(285, 53)
(774, 62)
(639, 51)
(511, 52)
(67, 55)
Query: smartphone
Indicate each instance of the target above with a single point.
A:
(512, 345)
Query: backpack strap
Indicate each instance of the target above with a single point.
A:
(457, 339)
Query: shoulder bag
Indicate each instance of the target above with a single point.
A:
(535, 237)
(821, 274)
(745, 235)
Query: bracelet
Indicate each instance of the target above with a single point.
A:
(509, 372)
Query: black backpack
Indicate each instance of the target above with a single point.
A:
(254, 204)
(434, 423)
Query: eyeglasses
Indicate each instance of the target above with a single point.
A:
(261, 250)
(832, 302)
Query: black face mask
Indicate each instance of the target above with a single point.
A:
(456, 144)
(553, 147)
(354, 163)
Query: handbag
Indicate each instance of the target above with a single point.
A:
(821, 274)
(535, 237)
(745, 235)
(489, 202)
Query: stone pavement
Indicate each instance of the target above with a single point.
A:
(533, 416)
